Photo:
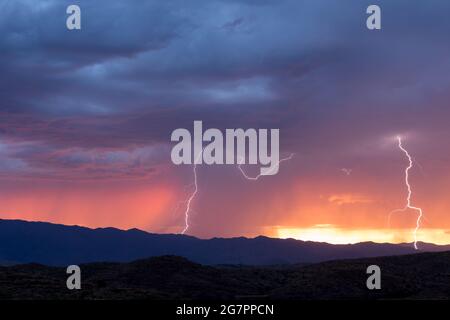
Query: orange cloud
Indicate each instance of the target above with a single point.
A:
(348, 198)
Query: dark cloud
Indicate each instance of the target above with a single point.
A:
(136, 71)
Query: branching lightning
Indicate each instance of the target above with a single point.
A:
(192, 196)
(408, 198)
(259, 175)
(195, 191)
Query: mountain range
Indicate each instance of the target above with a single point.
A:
(60, 245)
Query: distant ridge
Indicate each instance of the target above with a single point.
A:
(416, 276)
(60, 245)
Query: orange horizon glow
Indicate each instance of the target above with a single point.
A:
(93, 209)
(336, 235)
(334, 209)
(324, 233)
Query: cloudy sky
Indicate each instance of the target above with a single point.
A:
(86, 116)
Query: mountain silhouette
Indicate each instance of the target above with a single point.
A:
(416, 276)
(60, 245)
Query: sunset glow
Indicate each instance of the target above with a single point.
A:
(335, 235)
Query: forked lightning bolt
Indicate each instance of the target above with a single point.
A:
(194, 193)
(259, 175)
(408, 198)
(192, 196)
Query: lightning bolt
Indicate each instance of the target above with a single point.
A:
(192, 196)
(408, 198)
(241, 162)
(195, 191)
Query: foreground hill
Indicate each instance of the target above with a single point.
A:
(60, 245)
(417, 276)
